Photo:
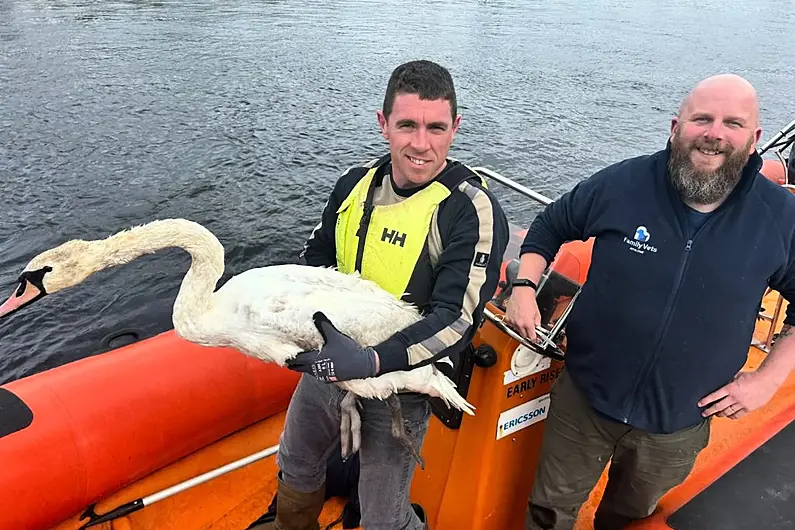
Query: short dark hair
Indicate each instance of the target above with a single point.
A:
(425, 78)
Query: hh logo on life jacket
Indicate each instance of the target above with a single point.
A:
(393, 236)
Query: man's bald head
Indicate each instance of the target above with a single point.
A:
(724, 87)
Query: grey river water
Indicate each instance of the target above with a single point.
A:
(240, 115)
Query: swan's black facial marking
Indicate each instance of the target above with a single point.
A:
(35, 278)
(30, 289)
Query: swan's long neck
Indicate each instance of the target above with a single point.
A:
(206, 252)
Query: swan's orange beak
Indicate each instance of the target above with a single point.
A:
(17, 300)
(25, 294)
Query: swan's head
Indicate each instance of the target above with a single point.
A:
(51, 271)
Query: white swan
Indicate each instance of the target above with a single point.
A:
(264, 312)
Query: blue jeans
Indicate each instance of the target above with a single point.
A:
(312, 431)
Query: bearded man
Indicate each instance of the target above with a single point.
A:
(686, 242)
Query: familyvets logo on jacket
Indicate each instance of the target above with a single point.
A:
(639, 242)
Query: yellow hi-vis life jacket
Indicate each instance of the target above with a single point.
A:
(385, 242)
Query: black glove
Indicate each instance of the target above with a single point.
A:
(340, 358)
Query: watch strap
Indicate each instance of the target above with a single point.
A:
(524, 282)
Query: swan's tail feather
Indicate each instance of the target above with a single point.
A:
(448, 393)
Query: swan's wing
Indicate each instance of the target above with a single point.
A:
(271, 306)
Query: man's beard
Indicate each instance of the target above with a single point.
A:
(697, 186)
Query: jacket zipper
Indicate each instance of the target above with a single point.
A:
(663, 329)
(668, 313)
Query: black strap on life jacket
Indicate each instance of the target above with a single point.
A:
(364, 223)
(454, 174)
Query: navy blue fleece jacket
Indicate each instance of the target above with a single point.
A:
(667, 313)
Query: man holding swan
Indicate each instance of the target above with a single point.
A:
(426, 229)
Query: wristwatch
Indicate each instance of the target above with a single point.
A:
(524, 282)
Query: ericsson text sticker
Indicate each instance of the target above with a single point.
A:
(523, 416)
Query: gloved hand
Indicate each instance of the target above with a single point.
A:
(340, 358)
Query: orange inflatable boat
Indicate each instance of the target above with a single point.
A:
(128, 432)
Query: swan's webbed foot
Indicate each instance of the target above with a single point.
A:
(399, 430)
(350, 425)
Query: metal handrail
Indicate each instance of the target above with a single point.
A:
(787, 134)
(505, 181)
